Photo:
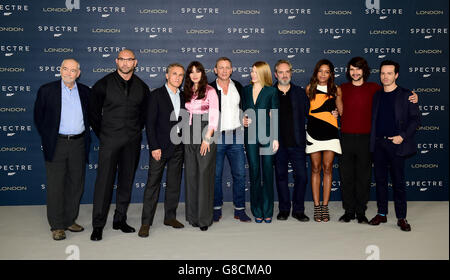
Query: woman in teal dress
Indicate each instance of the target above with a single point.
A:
(260, 105)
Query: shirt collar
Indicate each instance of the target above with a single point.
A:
(63, 85)
(219, 88)
(170, 91)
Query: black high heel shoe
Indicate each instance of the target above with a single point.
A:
(317, 213)
(325, 213)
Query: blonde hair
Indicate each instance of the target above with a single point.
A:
(264, 73)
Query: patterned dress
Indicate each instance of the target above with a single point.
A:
(322, 132)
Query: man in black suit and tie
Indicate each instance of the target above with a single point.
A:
(163, 111)
(61, 118)
(394, 124)
(117, 113)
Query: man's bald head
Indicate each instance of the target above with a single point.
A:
(71, 60)
(127, 52)
(126, 62)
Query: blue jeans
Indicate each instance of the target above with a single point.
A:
(236, 159)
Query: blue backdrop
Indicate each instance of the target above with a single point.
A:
(37, 35)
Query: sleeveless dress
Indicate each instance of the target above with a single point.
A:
(322, 133)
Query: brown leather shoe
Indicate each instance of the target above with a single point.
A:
(75, 228)
(144, 231)
(378, 219)
(403, 224)
(174, 223)
(58, 234)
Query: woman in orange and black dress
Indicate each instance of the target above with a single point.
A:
(322, 134)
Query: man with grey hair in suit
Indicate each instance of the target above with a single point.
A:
(61, 118)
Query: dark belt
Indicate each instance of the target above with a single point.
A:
(383, 137)
(71, 136)
(234, 131)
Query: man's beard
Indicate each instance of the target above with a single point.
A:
(357, 80)
(284, 83)
(126, 72)
(68, 80)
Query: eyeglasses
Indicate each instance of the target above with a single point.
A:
(121, 59)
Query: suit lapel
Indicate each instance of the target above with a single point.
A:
(58, 103)
(84, 103)
(294, 99)
(295, 111)
(258, 98)
(182, 106)
(168, 101)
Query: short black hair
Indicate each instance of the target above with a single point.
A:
(393, 63)
(360, 63)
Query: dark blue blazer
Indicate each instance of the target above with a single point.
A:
(300, 108)
(407, 120)
(158, 123)
(47, 115)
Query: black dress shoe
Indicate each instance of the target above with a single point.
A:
(346, 218)
(300, 216)
(403, 224)
(97, 234)
(205, 228)
(123, 227)
(283, 215)
(362, 220)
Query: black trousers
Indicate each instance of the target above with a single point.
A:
(115, 158)
(356, 171)
(199, 178)
(173, 185)
(386, 163)
(297, 157)
(65, 182)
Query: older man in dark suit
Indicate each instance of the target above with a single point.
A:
(394, 124)
(61, 118)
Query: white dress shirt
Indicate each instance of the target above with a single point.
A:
(229, 111)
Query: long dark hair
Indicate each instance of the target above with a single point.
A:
(188, 84)
(313, 82)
